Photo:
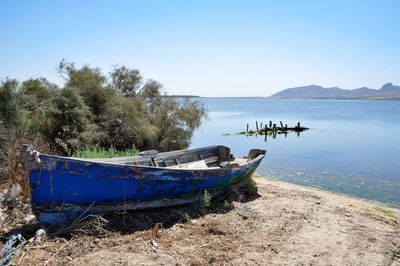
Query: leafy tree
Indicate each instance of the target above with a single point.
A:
(118, 111)
(126, 81)
(69, 123)
(92, 86)
(9, 112)
(35, 93)
(128, 126)
(151, 94)
(36, 98)
(177, 121)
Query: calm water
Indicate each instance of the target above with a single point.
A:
(353, 146)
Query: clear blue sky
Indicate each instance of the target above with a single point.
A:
(208, 48)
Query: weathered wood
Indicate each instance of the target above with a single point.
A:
(120, 187)
(273, 129)
(265, 133)
(270, 124)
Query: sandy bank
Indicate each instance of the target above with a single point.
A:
(286, 225)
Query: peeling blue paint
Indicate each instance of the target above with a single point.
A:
(62, 188)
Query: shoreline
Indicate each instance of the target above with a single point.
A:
(285, 224)
(322, 189)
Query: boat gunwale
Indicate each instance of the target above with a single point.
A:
(259, 157)
(159, 154)
(83, 160)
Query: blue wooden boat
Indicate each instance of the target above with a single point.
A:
(65, 188)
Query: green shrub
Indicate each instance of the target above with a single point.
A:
(109, 112)
(251, 188)
(205, 201)
(9, 112)
(97, 152)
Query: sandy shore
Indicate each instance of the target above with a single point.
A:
(285, 225)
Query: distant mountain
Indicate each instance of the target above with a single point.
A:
(388, 91)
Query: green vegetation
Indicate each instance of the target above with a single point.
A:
(226, 204)
(185, 217)
(97, 152)
(251, 187)
(366, 210)
(232, 134)
(93, 114)
(249, 133)
(387, 213)
(204, 202)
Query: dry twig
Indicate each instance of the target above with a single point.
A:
(58, 251)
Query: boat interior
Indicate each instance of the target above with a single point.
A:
(213, 157)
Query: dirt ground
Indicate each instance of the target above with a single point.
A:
(284, 225)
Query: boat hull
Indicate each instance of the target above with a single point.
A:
(63, 189)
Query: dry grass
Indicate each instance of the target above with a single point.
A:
(10, 168)
(90, 225)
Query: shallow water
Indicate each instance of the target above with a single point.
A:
(353, 146)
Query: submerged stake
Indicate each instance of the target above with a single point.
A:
(265, 132)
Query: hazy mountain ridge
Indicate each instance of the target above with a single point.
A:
(388, 91)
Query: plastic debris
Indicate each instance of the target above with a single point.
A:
(13, 193)
(154, 245)
(12, 247)
(30, 218)
(39, 235)
(248, 208)
(3, 216)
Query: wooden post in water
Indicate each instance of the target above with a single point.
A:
(247, 130)
(265, 132)
(274, 128)
(256, 125)
(281, 124)
(270, 124)
(286, 127)
(298, 124)
(261, 126)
